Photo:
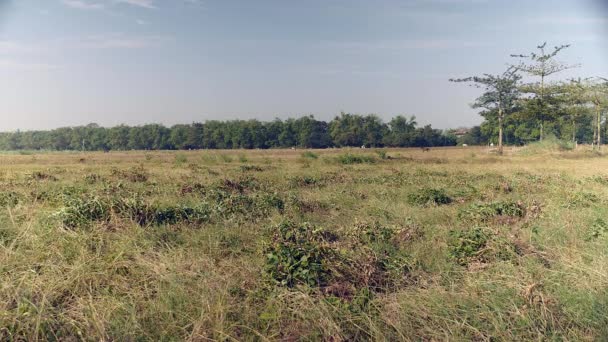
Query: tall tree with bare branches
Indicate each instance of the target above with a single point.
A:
(541, 64)
(500, 94)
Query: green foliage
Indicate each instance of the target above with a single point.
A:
(429, 196)
(305, 132)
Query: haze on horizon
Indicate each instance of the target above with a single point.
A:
(72, 62)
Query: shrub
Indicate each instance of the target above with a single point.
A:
(429, 196)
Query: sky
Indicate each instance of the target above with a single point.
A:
(73, 62)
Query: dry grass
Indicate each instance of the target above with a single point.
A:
(385, 268)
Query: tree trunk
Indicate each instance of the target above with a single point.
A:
(500, 132)
(594, 136)
(599, 127)
(573, 131)
(542, 101)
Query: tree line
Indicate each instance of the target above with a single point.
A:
(522, 104)
(306, 132)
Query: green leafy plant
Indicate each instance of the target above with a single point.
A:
(429, 196)
(487, 211)
(349, 158)
(297, 254)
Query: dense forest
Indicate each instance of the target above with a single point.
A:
(305, 132)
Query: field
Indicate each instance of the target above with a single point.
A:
(395, 244)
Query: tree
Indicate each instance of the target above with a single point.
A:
(597, 93)
(500, 95)
(401, 131)
(541, 64)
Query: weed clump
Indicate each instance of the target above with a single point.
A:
(10, 199)
(39, 175)
(247, 168)
(310, 155)
(550, 143)
(382, 154)
(82, 211)
(478, 245)
(181, 159)
(349, 158)
(487, 211)
(79, 212)
(92, 178)
(597, 229)
(298, 254)
(581, 199)
(304, 181)
(429, 196)
(365, 256)
(134, 174)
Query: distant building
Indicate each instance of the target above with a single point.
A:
(460, 132)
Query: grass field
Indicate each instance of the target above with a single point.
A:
(396, 244)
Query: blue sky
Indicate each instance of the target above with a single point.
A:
(71, 62)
